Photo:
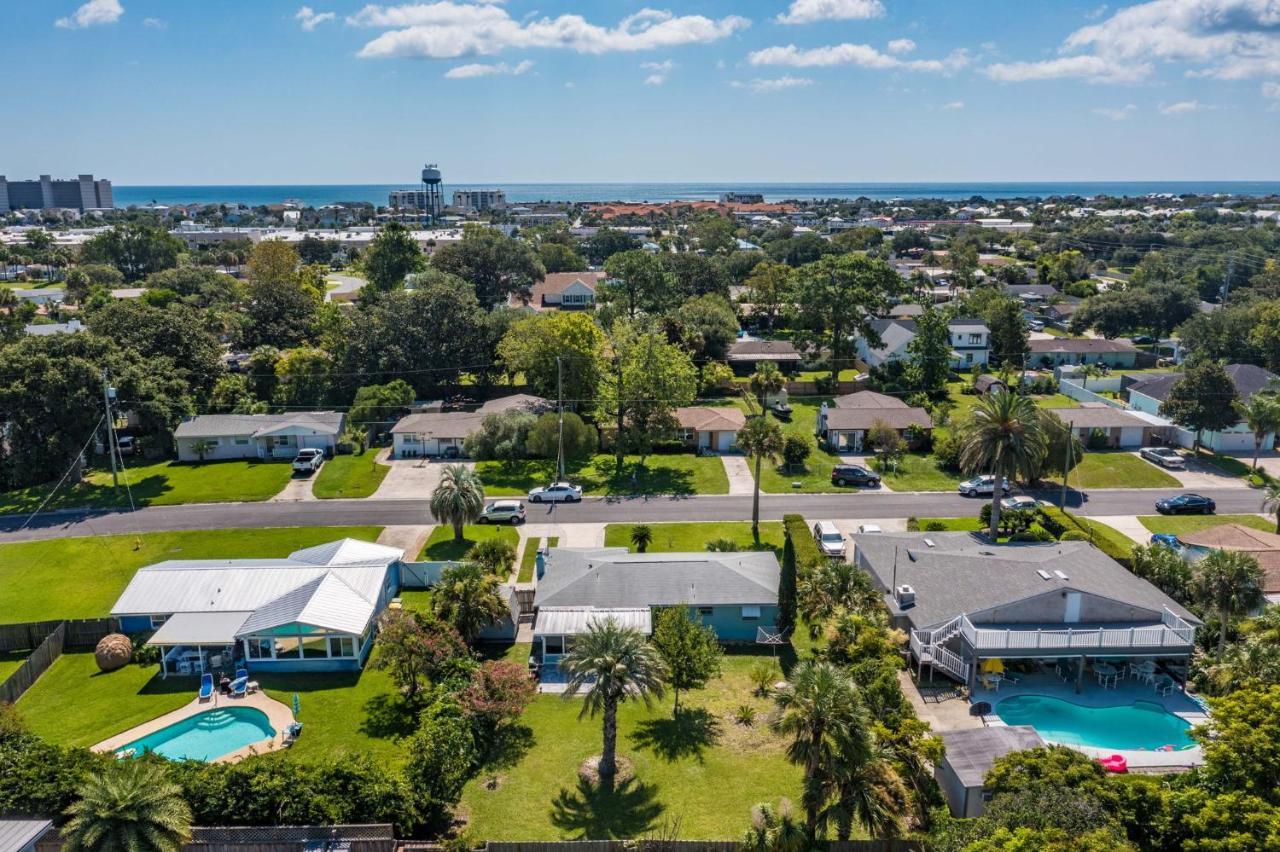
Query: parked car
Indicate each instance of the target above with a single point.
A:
(556, 492)
(308, 460)
(1163, 456)
(981, 485)
(829, 539)
(1022, 501)
(852, 474)
(503, 512)
(1142, 340)
(126, 445)
(1035, 325)
(1167, 540)
(1186, 504)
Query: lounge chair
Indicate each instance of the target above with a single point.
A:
(239, 687)
(242, 674)
(206, 686)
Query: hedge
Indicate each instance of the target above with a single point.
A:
(807, 552)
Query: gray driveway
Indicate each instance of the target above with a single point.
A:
(408, 479)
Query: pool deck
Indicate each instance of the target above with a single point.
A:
(280, 717)
(1092, 695)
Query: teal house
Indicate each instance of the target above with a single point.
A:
(734, 593)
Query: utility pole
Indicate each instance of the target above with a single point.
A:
(560, 426)
(109, 422)
(1066, 468)
(1226, 281)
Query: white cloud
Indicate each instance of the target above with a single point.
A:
(661, 70)
(860, 55)
(808, 11)
(901, 45)
(1223, 39)
(1182, 107)
(1097, 13)
(1116, 113)
(92, 14)
(761, 86)
(155, 24)
(449, 30)
(310, 18)
(480, 69)
(953, 105)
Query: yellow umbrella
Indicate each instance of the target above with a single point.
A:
(994, 665)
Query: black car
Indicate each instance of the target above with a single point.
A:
(1186, 504)
(852, 474)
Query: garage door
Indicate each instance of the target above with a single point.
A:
(1229, 442)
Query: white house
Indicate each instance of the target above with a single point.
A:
(843, 425)
(217, 437)
(970, 341)
(1149, 395)
(444, 433)
(1119, 428)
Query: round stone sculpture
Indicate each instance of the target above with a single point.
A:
(114, 650)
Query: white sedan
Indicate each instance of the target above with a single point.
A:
(1022, 501)
(557, 492)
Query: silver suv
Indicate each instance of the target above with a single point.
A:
(503, 512)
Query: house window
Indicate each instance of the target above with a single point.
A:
(314, 647)
(287, 647)
(157, 620)
(342, 646)
(258, 649)
(706, 610)
(750, 613)
(975, 338)
(242, 440)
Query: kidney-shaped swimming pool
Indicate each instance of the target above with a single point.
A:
(206, 736)
(1139, 726)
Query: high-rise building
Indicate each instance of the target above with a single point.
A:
(427, 199)
(83, 193)
(479, 200)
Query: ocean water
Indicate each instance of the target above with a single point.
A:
(315, 195)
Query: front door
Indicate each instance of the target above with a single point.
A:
(857, 442)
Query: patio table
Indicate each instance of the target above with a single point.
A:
(1106, 672)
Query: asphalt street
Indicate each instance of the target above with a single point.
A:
(855, 506)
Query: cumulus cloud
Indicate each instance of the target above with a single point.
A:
(92, 14)
(1182, 107)
(761, 86)
(1223, 39)
(310, 18)
(449, 30)
(154, 24)
(808, 11)
(860, 55)
(480, 69)
(953, 105)
(660, 72)
(1116, 113)
(901, 45)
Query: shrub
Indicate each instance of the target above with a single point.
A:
(745, 715)
(947, 448)
(1031, 534)
(1075, 535)
(935, 526)
(807, 553)
(1055, 527)
(796, 450)
(763, 674)
(913, 524)
(722, 545)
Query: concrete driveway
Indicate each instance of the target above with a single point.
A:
(1200, 475)
(741, 482)
(297, 488)
(408, 479)
(863, 461)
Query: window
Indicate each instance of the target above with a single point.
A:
(287, 647)
(258, 649)
(242, 440)
(314, 646)
(706, 610)
(157, 620)
(975, 339)
(750, 613)
(342, 646)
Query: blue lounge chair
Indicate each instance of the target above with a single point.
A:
(242, 674)
(206, 686)
(239, 687)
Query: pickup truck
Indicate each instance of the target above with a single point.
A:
(308, 460)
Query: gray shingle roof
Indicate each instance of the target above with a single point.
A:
(971, 752)
(219, 425)
(613, 578)
(1247, 378)
(1074, 345)
(963, 573)
(1098, 416)
(763, 350)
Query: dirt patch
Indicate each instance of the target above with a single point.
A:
(589, 770)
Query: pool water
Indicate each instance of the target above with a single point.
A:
(208, 735)
(1138, 726)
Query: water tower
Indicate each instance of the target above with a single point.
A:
(433, 200)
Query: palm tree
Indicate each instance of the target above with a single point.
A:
(1262, 416)
(761, 438)
(1230, 583)
(459, 498)
(1007, 437)
(767, 380)
(774, 830)
(868, 792)
(129, 805)
(819, 710)
(610, 664)
(641, 537)
(467, 597)
(1271, 502)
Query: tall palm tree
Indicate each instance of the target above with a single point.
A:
(610, 664)
(820, 711)
(761, 438)
(467, 597)
(130, 805)
(641, 537)
(766, 380)
(1262, 416)
(868, 792)
(1271, 502)
(1007, 438)
(459, 498)
(1230, 583)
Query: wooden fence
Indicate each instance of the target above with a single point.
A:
(349, 838)
(35, 665)
(83, 633)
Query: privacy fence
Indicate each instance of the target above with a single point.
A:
(48, 639)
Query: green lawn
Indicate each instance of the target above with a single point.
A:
(10, 661)
(952, 524)
(82, 577)
(703, 773)
(441, 547)
(529, 560)
(1176, 524)
(1108, 539)
(344, 713)
(680, 474)
(1118, 469)
(350, 476)
(686, 537)
(160, 484)
(918, 472)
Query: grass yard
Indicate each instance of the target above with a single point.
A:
(529, 560)
(441, 547)
(918, 472)
(1108, 539)
(704, 772)
(687, 537)
(1177, 524)
(160, 484)
(1117, 469)
(680, 474)
(951, 524)
(350, 476)
(344, 713)
(10, 661)
(82, 577)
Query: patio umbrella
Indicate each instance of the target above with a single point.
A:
(993, 666)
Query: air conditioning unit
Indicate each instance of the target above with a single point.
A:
(906, 596)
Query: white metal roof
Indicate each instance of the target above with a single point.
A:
(575, 620)
(347, 551)
(199, 628)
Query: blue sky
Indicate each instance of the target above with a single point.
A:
(264, 91)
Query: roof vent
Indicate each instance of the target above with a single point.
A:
(929, 543)
(1044, 575)
(905, 595)
(1060, 575)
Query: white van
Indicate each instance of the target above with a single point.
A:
(829, 539)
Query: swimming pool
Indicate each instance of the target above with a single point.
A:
(206, 736)
(1141, 725)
